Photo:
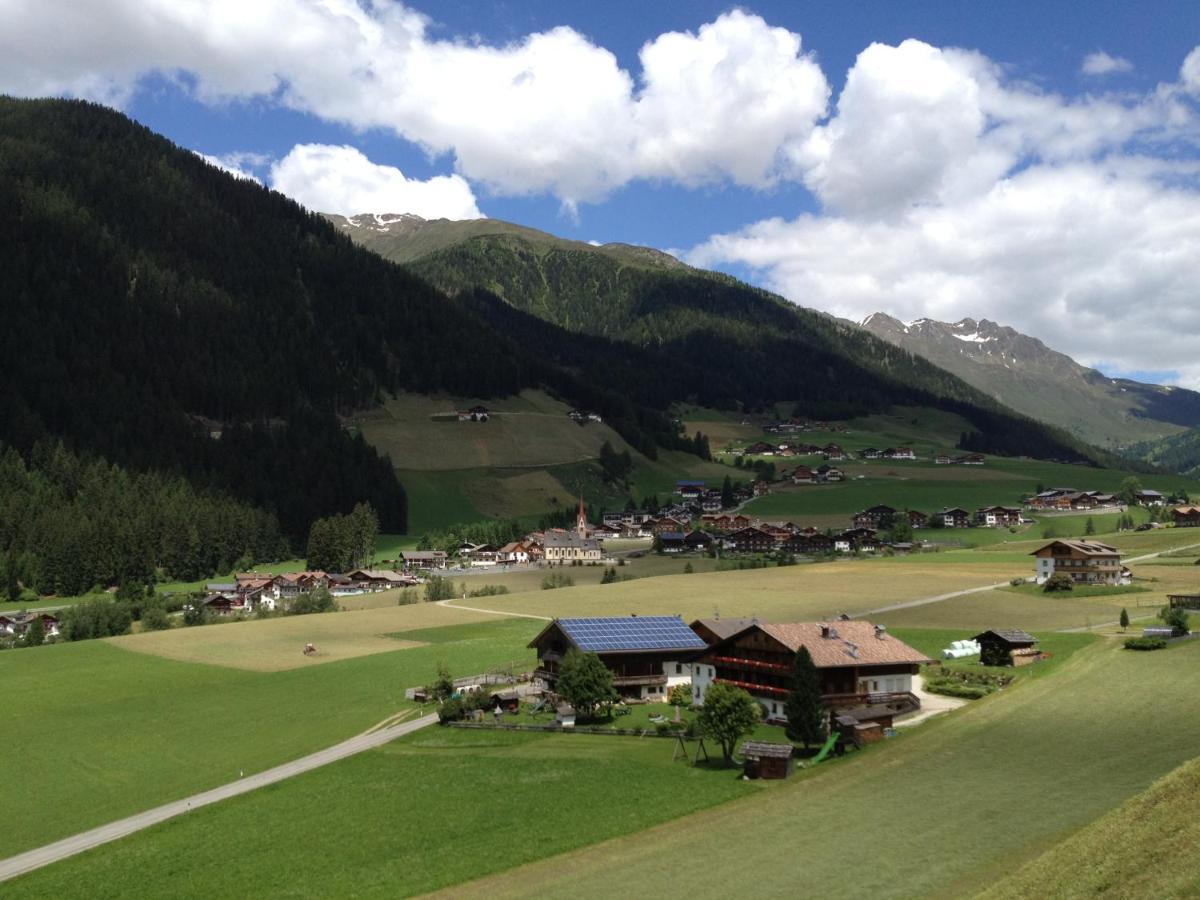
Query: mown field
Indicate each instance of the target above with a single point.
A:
(110, 732)
(787, 594)
(429, 810)
(947, 809)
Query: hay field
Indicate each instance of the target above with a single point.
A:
(274, 645)
(530, 431)
(788, 594)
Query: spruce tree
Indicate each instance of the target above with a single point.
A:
(1124, 619)
(805, 714)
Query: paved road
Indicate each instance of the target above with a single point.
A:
(450, 604)
(43, 856)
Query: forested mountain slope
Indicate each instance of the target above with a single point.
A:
(167, 316)
(1022, 372)
(713, 340)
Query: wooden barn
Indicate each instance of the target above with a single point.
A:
(1007, 647)
(767, 761)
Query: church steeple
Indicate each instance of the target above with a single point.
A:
(581, 523)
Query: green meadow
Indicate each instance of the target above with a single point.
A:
(112, 732)
(429, 810)
(947, 809)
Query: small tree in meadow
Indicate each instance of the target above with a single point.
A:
(1124, 619)
(728, 715)
(585, 682)
(687, 568)
(805, 714)
(1089, 527)
(443, 685)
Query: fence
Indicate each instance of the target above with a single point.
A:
(620, 732)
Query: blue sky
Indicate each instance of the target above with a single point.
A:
(1031, 163)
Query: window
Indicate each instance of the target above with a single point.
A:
(678, 668)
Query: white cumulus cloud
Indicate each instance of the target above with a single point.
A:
(343, 180)
(1101, 63)
(550, 112)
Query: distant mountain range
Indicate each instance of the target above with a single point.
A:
(1023, 373)
(714, 341)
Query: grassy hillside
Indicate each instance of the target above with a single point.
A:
(946, 810)
(1141, 849)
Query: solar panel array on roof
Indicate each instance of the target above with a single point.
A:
(631, 633)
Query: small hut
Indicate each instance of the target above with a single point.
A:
(1007, 647)
(855, 731)
(509, 701)
(766, 760)
(564, 715)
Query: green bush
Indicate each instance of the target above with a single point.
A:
(452, 710)
(1145, 643)
(1058, 582)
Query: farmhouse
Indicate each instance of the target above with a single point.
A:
(900, 453)
(808, 543)
(376, 579)
(751, 540)
(917, 519)
(1186, 516)
(698, 540)
(1149, 498)
(1085, 562)
(830, 473)
(998, 516)
(860, 665)
(804, 475)
(954, 517)
(668, 523)
(424, 559)
(876, 517)
(671, 542)
(1007, 647)
(689, 490)
(476, 413)
(646, 654)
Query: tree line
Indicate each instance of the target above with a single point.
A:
(69, 523)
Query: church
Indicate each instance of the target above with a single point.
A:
(570, 547)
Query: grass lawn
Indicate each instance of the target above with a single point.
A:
(432, 809)
(114, 733)
(1024, 767)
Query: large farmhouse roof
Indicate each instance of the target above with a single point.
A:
(627, 634)
(570, 540)
(1086, 548)
(724, 628)
(845, 643)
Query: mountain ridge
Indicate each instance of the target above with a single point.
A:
(767, 349)
(1046, 384)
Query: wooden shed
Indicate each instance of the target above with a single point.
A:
(565, 715)
(1007, 647)
(767, 760)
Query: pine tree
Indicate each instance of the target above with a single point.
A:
(805, 714)
(727, 498)
(1124, 619)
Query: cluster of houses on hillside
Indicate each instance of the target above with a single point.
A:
(582, 417)
(883, 517)
(17, 624)
(967, 459)
(251, 591)
(477, 413)
(1066, 499)
(797, 426)
(866, 674)
(791, 448)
